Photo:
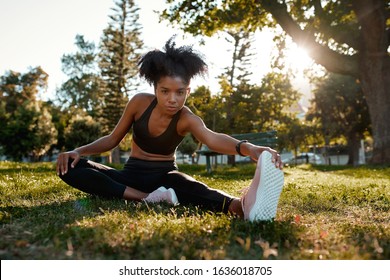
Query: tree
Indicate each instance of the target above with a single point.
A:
(44, 131)
(292, 134)
(341, 108)
(82, 129)
(349, 37)
(237, 73)
(188, 145)
(26, 125)
(120, 50)
(60, 119)
(204, 105)
(239, 70)
(83, 88)
(271, 100)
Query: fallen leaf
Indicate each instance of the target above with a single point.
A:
(267, 250)
(378, 248)
(21, 243)
(270, 252)
(246, 244)
(240, 241)
(323, 234)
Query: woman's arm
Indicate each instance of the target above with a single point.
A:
(102, 144)
(226, 144)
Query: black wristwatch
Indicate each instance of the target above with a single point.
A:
(238, 147)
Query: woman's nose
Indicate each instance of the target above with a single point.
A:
(172, 98)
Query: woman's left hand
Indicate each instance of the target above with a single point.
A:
(276, 159)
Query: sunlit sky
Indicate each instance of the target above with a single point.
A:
(39, 32)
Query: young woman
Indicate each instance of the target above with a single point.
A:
(159, 122)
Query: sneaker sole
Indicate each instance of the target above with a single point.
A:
(175, 201)
(269, 190)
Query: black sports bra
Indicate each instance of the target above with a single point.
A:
(164, 144)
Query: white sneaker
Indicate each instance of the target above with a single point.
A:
(162, 195)
(261, 200)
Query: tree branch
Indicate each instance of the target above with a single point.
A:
(331, 60)
(340, 35)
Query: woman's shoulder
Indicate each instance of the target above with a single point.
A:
(141, 100)
(189, 122)
(186, 112)
(143, 96)
(138, 103)
(188, 116)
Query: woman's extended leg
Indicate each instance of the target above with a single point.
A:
(101, 180)
(258, 203)
(191, 191)
(104, 181)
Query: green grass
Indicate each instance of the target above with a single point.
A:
(324, 213)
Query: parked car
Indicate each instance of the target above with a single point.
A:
(304, 158)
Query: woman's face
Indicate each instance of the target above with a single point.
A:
(171, 93)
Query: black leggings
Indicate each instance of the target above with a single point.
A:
(146, 176)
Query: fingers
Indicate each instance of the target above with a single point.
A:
(76, 159)
(62, 164)
(276, 159)
(279, 162)
(57, 168)
(63, 160)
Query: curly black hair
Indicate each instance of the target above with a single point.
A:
(181, 62)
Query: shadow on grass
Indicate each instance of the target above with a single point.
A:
(91, 228)
(34, 232)
(373, 240)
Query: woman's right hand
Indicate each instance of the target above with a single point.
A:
(63, 159)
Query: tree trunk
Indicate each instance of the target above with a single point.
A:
(376, 87)
(371, 64)
(353, 150)
(374, 71)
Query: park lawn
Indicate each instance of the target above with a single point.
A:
(324, 213)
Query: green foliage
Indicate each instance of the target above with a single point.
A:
(26, 123)
(241, 107)
(293, 135)
(81, 130)
(32, 127)
(44, 131)
(334, 22)
(242, 55)
(235, 79)
(324, 213)
(83, 88)
(120, 50)
(188, 145)
(342, 36)
(252, 108)
(60, 119)
(341, 109)
(198, 17)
